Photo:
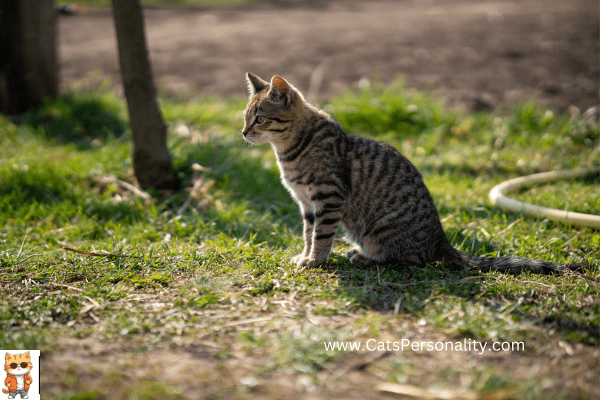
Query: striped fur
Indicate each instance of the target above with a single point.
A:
(369, 188)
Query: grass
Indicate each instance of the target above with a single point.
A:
(211, 267)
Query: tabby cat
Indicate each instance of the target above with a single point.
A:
(17, 367)
(368, 187)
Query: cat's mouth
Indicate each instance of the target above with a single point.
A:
(246, 132)
(19, 372)
(246, 138)
(251, 137)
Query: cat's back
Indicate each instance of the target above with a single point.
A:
(373, 175)
(378, 166)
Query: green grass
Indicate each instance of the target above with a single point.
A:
(215, 267)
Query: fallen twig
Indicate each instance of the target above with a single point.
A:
(247, 321)
(66, 286)
(94, 254)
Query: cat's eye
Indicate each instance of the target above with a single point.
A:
(15, 365)
(260, 119)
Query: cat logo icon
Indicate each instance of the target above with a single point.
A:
(18, 380)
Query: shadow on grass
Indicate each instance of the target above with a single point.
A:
(35, 185)
(76, 119)
(586, 333)
(435, 292)
(37, 193)
(248, 198)
(390, 288)
(246, 175)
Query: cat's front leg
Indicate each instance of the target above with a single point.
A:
(309, 223)
(326, 222)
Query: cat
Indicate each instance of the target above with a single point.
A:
(367, 186)
(17, 367)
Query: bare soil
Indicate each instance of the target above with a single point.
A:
(199, 368)
(479, 54)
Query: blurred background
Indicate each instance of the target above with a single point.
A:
(478, 54)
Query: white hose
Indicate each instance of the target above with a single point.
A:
(498, 198)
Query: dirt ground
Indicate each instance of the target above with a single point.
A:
(479, 54)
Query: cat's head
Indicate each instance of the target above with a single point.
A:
(18, 364)
(272, 109)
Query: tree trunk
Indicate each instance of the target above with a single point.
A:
(28, 67)
(151, 160)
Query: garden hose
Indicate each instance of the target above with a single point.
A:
(499, 199)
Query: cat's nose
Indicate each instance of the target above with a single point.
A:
(245, 132)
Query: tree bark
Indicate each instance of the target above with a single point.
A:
(28, 62)
(151, 160)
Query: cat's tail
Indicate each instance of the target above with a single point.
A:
(4, 391)
(513, 265)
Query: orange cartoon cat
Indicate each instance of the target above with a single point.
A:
(17, 368)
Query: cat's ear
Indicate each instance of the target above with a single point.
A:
(280, 84)
(7, 356)
(280, 87)
(27, 355)
(255, 84)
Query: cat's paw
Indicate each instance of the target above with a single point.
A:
(356, 256)
(353, 251)
(297, 258)
(308, 262)
(358, 259)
